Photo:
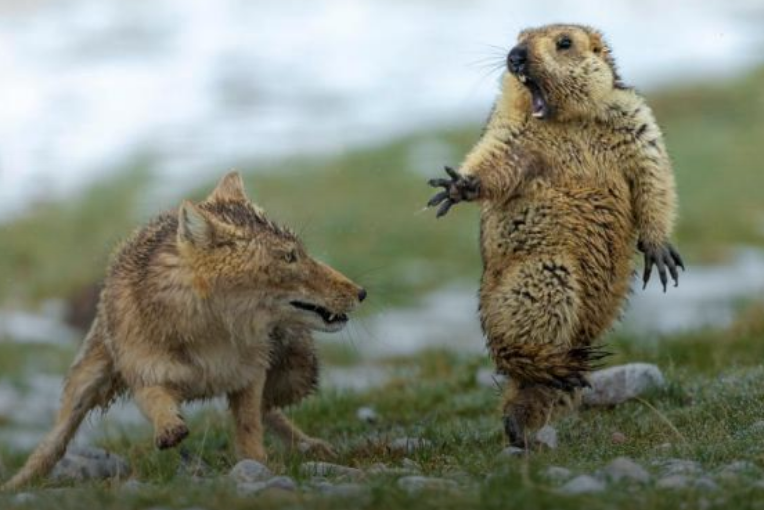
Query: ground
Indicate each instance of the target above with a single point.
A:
(362, 212)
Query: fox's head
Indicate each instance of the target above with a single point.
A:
(243, 261)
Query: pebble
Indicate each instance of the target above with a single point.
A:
(488, 378)
(278, 483)
(618, 384)
(133, 485)
(512, 451)
(23, 498)
(250, 471)
(419, 483)
(409, 445)
(546, 437)
(345, 490)
(673, 482)
(583, 484)
(757, 427)
(679, 467)
(625, 469)
(618, 438)
(706, 483)
(380, 468)
(328, 469)
(367, 414)
(557, 473)
(88, 463)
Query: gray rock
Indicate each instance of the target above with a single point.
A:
(345, 490)
(324, 469)
(409, 445)
(133, 485)
(380, 468)
(546, 437)
(734, 470)
(411, 465)
(706, 483)
(625, 469)
(557, 474)
(488, 378)
(679, 467)
(23, 498)
(583, 484)
(757, 427)
(618, 384)
(512, 451)
(88, 463)
(674, 482)
(250, 471)
(367, 414)
(420, 483)
(281, 483)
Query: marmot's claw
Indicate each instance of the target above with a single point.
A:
(444, 208)
(443, 195)
(665, 257)
(456, 189)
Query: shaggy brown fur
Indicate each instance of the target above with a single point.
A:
(572, 175)
(212, 300)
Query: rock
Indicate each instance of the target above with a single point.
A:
(734, 470)
(583, 484)
(512, 451)
(133, 485)
(706, 483)
(618, 384)
(282, 482)
(618, 438)
(250, 471)
(625, 469)
(277, 483)
(409, 445)
(557, 473)
(679, 467)
(328, 469)
(380, 468)
(546, 437)
(419, 483)
(757, 427)
(366, 414)
(23, 498)
(88, 463)
(411, 465)
(345, 490)
(488, 378)
(673, 482)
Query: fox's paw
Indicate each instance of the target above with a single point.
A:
(317, 448)
(664, 257)
(171, 435)
(457, 188)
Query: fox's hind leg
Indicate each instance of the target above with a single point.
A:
(161, 406)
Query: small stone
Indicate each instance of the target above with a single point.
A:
(625, 469)
(250, 471)
(557, 473)
(89, 463)
(380, 468)
(409, 445)
(618, 384)
(618, 438)
(664, 446)
(419, 483)
(409, 464)
(345, 490)
(367, 414)
(23, 497)
(583, 484)
(282, 482)
(706, 483)
(133, 485)
(757, 427)
(512, 451)
(679, 467)
(546, 437)
(488, 378)
(673, 482)
(324, 469)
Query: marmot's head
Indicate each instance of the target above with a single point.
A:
(561, 71)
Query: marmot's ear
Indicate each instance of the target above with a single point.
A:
(597, 43)
(194, 227)
(230, 187)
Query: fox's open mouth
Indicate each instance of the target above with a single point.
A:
(327, 316)
(539, 106)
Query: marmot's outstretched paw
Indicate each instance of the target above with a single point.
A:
(664, 257)
(457, 189)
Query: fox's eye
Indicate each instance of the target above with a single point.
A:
(564, 43)
(291, 256)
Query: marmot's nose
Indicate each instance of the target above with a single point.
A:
(517, 58)
(361, 294)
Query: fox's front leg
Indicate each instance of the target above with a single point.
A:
(247, 409)
(161, 406)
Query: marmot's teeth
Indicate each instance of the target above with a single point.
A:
(331, 317)
(522, 78)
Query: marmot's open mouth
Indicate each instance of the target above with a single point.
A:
(539, 107)
(327, 316)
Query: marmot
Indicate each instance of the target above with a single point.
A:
(214, 299)
(572, 174)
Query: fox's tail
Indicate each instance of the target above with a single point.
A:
(90, 384)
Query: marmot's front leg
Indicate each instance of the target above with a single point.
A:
(458, 188)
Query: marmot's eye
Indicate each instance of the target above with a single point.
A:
(564, 43)
(291, 256)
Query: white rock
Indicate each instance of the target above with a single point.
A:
(512, 451)
(409, 444)
(618, 384)
(283, 483)
(557, 473)
(328, 469)
(250, 471)
(625, 469)
(419, 483)
(366, 414)
(583, 484)
(673, 482)
(679, 467)
(488, 378)
(706, 483)
(546, 437)
(133, 485)
(88, 463)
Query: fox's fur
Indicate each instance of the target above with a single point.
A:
(567, 193)
(199, 303)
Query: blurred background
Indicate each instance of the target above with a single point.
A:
(337, 112)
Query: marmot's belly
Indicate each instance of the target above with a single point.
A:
(590, 228)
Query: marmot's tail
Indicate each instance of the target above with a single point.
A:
(90, 383)
(548, 364)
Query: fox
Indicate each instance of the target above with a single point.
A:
(212, 299)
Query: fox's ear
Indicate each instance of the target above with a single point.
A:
(230, 187)
(194, 227)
